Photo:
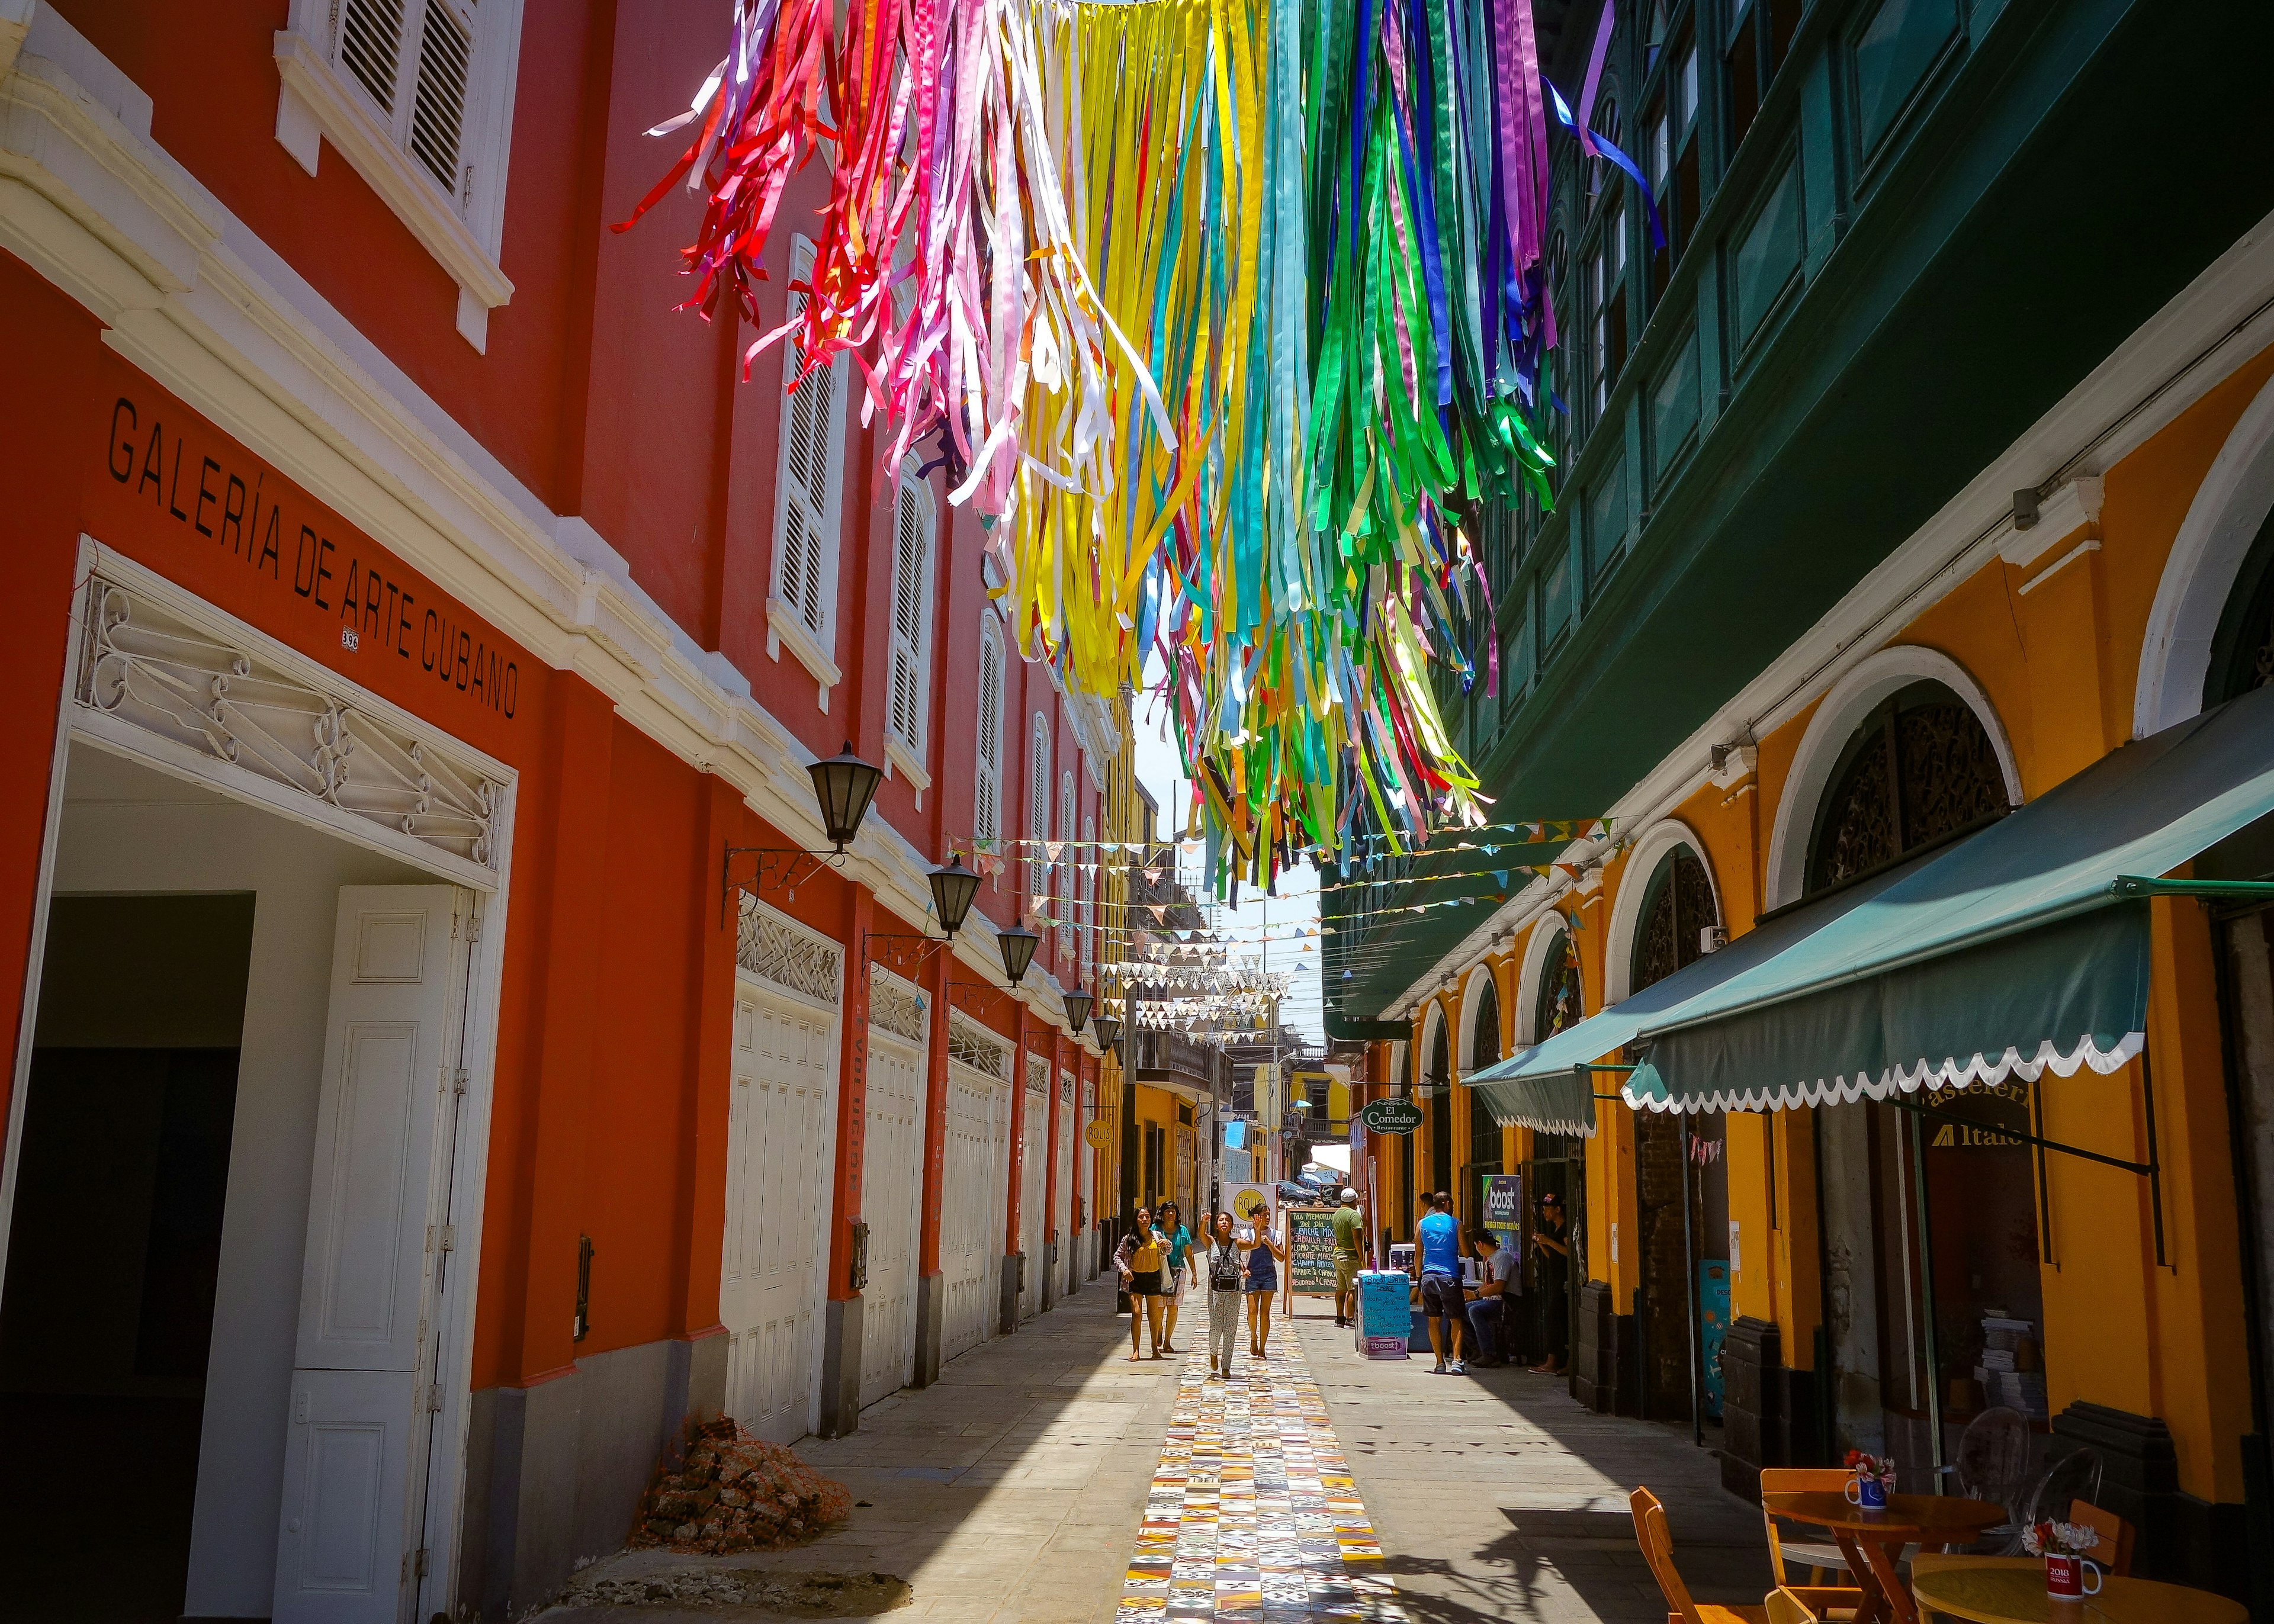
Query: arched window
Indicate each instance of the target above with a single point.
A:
(1438, 1080)
(1558, 1006)
(1066, 865)
(1089, 865)
(1920, 769)
(1036, 868)
(1676, 907)
(987, 792)
(1484, 1128)
(913, 522)
(2242, 653)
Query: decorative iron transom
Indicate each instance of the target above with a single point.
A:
(894, 1005)
(969, 1046)
(772, 949)
(1920, 768)
(143, 665)
(1038, 1075)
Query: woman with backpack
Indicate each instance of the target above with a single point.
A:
(1225, 1278)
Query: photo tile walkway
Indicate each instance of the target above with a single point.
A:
(1252, 1516)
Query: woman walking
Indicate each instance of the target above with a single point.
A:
(1175, 1266)
(1224, 1295)
(1140, 1257)
(1263, 1259)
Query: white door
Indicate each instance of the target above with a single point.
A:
(776, 1206)
(365, 1359)
(1034, 1139)
(892, 1190)
(1086, 1159)
(973, 1210)
(1062, 1217)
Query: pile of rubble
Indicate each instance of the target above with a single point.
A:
(719, 1491)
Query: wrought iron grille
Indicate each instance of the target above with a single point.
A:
(774, 949)
(894, 1005)
(971, 1047)
(145, 665)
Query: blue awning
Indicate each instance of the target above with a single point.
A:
(2022, 950)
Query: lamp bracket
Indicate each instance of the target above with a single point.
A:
(775, 869)
(977, 999)
(905, 952)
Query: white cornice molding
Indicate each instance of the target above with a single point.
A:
(190, 295)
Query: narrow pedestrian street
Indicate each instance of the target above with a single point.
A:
(1044, 1479)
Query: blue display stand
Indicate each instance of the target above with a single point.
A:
(1384, 1314)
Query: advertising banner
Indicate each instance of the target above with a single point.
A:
(1503, 1207)
(1246, 1203)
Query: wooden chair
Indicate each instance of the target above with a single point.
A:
(2114, 1551)
(1658, 1549)
(1838, 1601)
(1785, 1607)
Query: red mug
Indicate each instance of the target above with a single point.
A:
(2065, 1577)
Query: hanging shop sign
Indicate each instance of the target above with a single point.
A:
(1099, 1134)
(1391, 1116)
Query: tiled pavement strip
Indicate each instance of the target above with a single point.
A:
(1045, 1480)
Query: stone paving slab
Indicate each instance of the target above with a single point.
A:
(1004, 1493)
(1496, 1497)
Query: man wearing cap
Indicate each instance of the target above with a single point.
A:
(1551, 1251)
(1346, 1258)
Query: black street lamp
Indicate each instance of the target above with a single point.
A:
(1077, 1009)
(844, 785)
(1018, 944)
(953, 889)
(1107, 1030)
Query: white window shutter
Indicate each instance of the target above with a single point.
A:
(415, 59)
(1088, 894)
(1038, 807)
(438, 108)
(1065, 869)
(806, 486)
(987, 808)
(912, 524)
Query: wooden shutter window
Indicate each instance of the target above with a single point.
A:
(911, 583)
(987, 808)
(421, 95)
(808, 538)
(438, 115)
(1038, 809)
(1065, 869)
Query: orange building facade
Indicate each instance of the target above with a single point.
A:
(433, 1077)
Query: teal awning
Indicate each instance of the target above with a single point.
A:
(1551, 1087)
(2018, 951)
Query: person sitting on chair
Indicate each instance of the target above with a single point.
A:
(1487, 1305)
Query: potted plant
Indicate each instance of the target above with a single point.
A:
(1873, 1479)
(2063, 1546)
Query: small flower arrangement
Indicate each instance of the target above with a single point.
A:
(2058, 1539)
(1879, 1466)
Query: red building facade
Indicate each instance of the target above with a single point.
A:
(414, 609)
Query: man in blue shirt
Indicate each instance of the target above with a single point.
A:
(1438, 1255)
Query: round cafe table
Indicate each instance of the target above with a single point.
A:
(1872, 1540)
(2011, 1589)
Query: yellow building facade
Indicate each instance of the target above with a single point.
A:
(2063, 641)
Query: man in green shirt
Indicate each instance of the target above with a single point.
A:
(1346, 1258)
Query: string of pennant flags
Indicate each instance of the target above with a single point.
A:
(1226, 319)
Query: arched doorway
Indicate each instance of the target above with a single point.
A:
(1557, 1166)
(1483, 1017)
(2242, 651)
(1682, 1198)
(1557, 1004)
(1437, 1091)
(1920, 770)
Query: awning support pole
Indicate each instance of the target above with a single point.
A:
(2155, 1165)
(2146, 1169)
(1696, 1339)
(1926, 1302)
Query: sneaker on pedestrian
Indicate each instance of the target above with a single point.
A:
(1440, 1370)
(1457, 1368)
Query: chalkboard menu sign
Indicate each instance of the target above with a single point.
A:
(1311, 1251)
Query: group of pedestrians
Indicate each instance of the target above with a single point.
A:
(1157, 1260)
(1452, 1304)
